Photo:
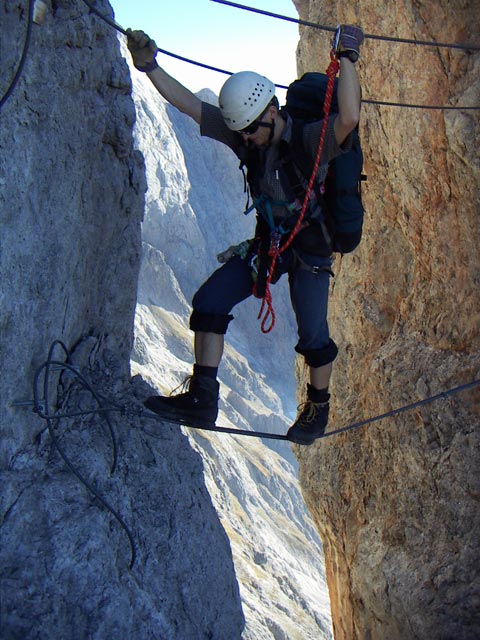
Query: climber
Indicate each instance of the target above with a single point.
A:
(249, 117)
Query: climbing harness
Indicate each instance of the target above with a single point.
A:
(301, 264)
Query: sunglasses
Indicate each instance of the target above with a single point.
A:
(253, 126)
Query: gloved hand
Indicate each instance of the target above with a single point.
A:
(143, 50)
(348, 38)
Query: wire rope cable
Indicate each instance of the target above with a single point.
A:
(21, 64)
(315, 25)
(112, 23)
(364, 101)
(105, 18)
(115, 407)
(87, 386)
(443, 395)
(52, 420)
(203, 65)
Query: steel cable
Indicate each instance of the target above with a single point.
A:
(23, 57)
(116, 26)
(115, 407)
(52, 419)
(315, 25)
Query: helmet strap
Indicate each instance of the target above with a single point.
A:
(272, 132)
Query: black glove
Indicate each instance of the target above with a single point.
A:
(143, 50)
(348, 38)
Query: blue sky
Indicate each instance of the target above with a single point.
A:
(218, 35)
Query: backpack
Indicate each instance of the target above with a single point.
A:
(341, 199)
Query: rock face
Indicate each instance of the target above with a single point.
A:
(397, 503)
(72, 195)
(71, 201)
(68, 174)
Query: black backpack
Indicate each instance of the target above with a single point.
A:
(342, 197)
(341, 200)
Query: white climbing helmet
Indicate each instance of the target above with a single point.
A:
(243, 97)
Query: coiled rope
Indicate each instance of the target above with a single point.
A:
(43, 409)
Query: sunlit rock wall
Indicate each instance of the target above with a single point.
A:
(397, 502)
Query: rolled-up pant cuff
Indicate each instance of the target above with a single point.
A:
(210, 322)
(319, 357)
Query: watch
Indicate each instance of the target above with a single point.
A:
(350, 54)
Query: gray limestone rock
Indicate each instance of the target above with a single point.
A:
(71, 202)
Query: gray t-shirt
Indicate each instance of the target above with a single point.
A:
(213, 126)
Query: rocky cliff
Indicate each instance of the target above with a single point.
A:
(153, 554)
(397, 502)
(71, 202)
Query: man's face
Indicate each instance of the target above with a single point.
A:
(260, 137)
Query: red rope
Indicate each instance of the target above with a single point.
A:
(275, 250)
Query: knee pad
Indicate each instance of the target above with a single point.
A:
(210, 322)
(319, 357)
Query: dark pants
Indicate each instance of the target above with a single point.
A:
(232, 283)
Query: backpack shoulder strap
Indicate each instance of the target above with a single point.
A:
(297, 163)
(252, 160)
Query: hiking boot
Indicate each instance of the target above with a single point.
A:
(310, 424)
(199, 404)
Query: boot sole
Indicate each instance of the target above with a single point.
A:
(169, 414)
(300, 438)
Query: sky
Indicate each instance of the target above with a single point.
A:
(218, 35)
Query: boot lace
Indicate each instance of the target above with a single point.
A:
(307, 411)
(183, 386)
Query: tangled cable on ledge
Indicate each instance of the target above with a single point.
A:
(43, 408)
